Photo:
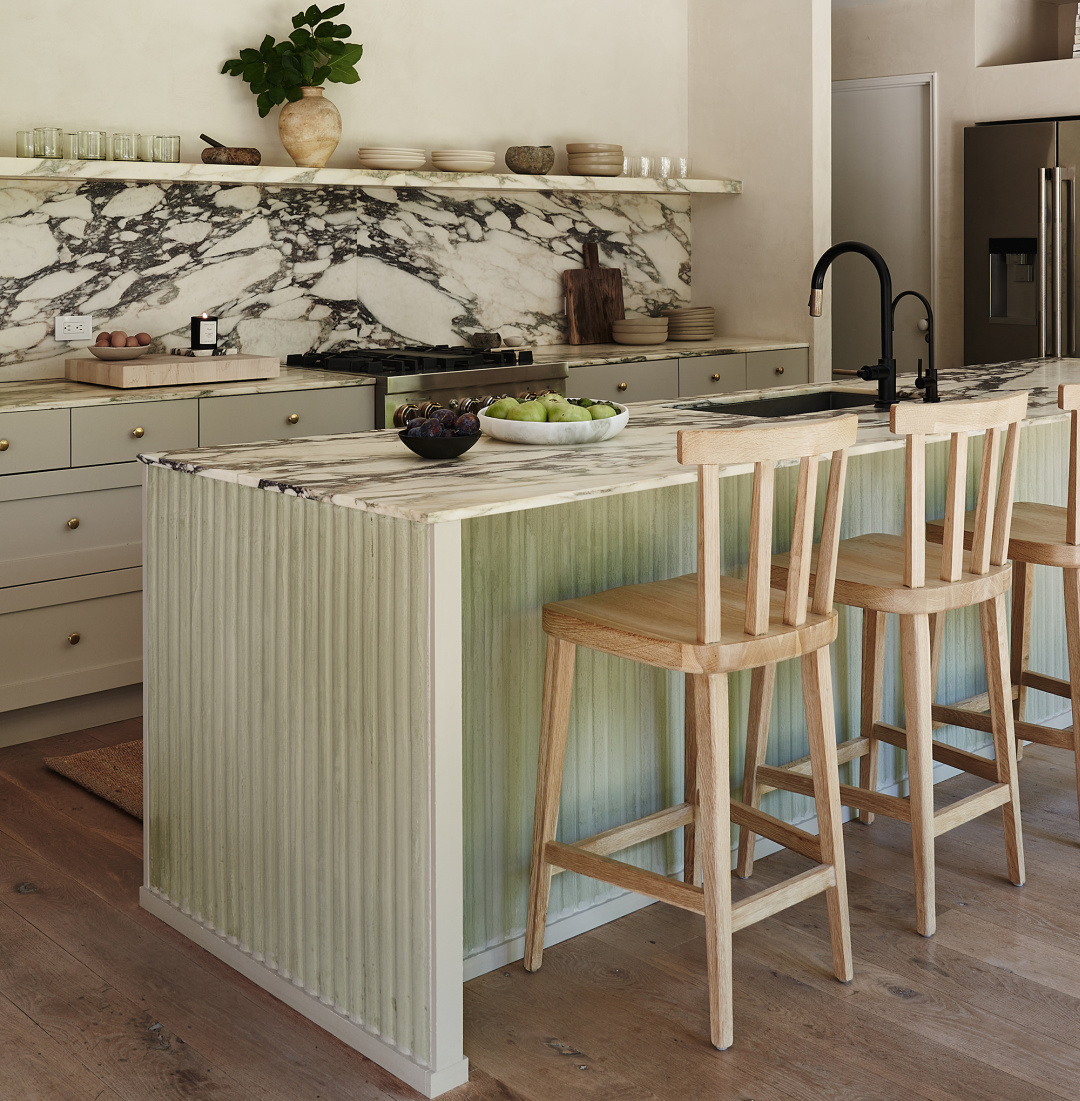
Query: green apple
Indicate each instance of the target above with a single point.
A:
(601, 412)
(528, 411)
(499, 409)
(566, 412)
(551, 400)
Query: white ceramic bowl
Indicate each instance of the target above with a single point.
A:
(592, 147)
(391, 149)
(387, 163)
(644, 338)
(595, 170)
(463, 166)
(544, 432)
(120, 353)
(463, 153)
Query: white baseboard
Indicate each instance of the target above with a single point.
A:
(45, 720)
(429, 1082)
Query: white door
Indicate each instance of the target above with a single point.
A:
(883, 145)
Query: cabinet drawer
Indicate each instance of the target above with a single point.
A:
(712, 375)
(784, 367)
(41, 661)
(281, 416)
(117, 433)
(42, 538)
(623, 382)
(35, 439)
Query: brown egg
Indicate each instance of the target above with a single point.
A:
(143, 338)
(102, 340)
(118, 339)
(132, 342)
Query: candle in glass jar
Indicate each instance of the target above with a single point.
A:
(204, 333)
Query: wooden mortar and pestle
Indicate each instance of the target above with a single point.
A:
(228, 154)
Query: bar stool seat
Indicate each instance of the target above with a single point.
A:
(1038, 535)
(707, 625)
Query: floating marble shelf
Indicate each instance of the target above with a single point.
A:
(25, 167)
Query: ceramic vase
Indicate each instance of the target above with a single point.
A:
(310, 129)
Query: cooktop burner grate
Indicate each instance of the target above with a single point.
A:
(424, 359)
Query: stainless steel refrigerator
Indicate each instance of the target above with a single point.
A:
(1020, 239)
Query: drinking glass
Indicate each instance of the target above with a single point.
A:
(71, 147)
(24, 143)
(91, 145)
(48, 142)
(682, 168)
(167, 147)
(146, 147)
(665, 166)
(125, 147)
(641, 165)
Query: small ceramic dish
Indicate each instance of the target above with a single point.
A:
(545, 432)
(592, 147)
(437, 447)
(120, 353)
(643, 338)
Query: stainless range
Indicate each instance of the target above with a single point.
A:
(407, 378)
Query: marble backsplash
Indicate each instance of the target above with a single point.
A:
(293, 269)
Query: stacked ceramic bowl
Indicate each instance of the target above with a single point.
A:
(640, 330)
(591, 158)
(696, 324)
(390, 158)
(463, 160)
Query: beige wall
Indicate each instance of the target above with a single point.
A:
(482, 74)
(760, 111)
(918, 36)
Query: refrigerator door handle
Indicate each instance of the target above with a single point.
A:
(1044, 265)
(1064, 267)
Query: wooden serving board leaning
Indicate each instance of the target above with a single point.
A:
(166, 370)
(594, 298)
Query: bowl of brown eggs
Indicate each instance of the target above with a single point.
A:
(118, 345)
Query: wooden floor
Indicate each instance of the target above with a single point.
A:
(98, 1000)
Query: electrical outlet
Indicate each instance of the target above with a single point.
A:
(75, 327)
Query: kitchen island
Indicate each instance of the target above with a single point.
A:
(343, 685)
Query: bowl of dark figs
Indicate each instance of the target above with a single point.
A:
(443, 435)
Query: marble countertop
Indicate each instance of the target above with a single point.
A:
(374, 472)
(59, 393)
(585, 355)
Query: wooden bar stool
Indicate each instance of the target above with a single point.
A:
(1042, 535)
(707, 626)
(889, 574)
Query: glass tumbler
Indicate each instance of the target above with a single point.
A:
(682, 168)
(641, 165)
(665, 166)
(167, 147)
(24, 143)
(146, 147)
(91, 145)
(125, 147)
(48, 142)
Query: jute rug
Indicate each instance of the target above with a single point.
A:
(114, 772)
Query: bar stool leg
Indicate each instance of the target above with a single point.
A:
(762, 683)
(1023, 576)
(821, 727)
(691, 871)
(873, 683)
(1072, 633)
(996, 655)
(915, 647)
(554, 722)
(937, 642)
(714, 816)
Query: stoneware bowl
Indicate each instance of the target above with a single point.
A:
(438, 447)
(530, 160)
(484, 341)
(228, 154)
(544, 432)
(120, 353)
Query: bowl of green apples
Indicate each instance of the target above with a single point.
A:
(553, 419)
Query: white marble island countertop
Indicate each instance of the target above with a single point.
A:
(374, 472)
(586, 355)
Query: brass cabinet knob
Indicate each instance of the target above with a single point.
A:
(138, 433)
(73, 523)
(4, 445)
(779, 370)
(74, 638)
(715, 378)
(621, 387)
(293, 418)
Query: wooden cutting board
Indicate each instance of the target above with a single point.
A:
(166, 370)
(594, 298)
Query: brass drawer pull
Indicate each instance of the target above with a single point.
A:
(74, 638)
(715, 378)
(779, 370)
(4, 445)
(293, 418)
(73, 523)
(621, 387)
(138, 433)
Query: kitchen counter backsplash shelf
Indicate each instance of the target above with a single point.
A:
(138, 171)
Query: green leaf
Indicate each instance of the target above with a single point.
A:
(337, 9)
(313, 15)
(307, 67)
(324, 30)
(351, 54)
(298, 19)
(258, 85)
(345, 76)
(341, 30)
(252, 72)
(301, 39)
(265, 104)
(334, 49)
(267, 46)
(290, 63)
(232, 66)
(293, 93)
(320, 76)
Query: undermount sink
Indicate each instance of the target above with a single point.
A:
(789, 405)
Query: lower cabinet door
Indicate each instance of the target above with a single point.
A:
(781, 367)
(652, 380)
(285, 415)
(65, 650)
(707, 375)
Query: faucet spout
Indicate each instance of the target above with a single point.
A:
(885, 369)
(928, 383)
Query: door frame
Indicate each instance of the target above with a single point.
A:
(912, 80)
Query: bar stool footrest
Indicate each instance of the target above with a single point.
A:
(633, 833)
(783, 833)
(964, 810)
(983, 767)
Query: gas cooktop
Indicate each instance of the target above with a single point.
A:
(411, 361)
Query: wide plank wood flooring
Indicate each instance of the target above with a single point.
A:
(98, 1000)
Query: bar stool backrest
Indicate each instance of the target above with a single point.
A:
(765, 446)
(993, 508)
(1069, 399)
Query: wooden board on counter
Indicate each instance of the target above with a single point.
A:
(166, 370)
(594, 298)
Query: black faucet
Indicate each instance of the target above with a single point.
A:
(884, 371)
(928, 382)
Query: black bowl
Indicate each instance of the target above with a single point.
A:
(484, 341)
(438, 447)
